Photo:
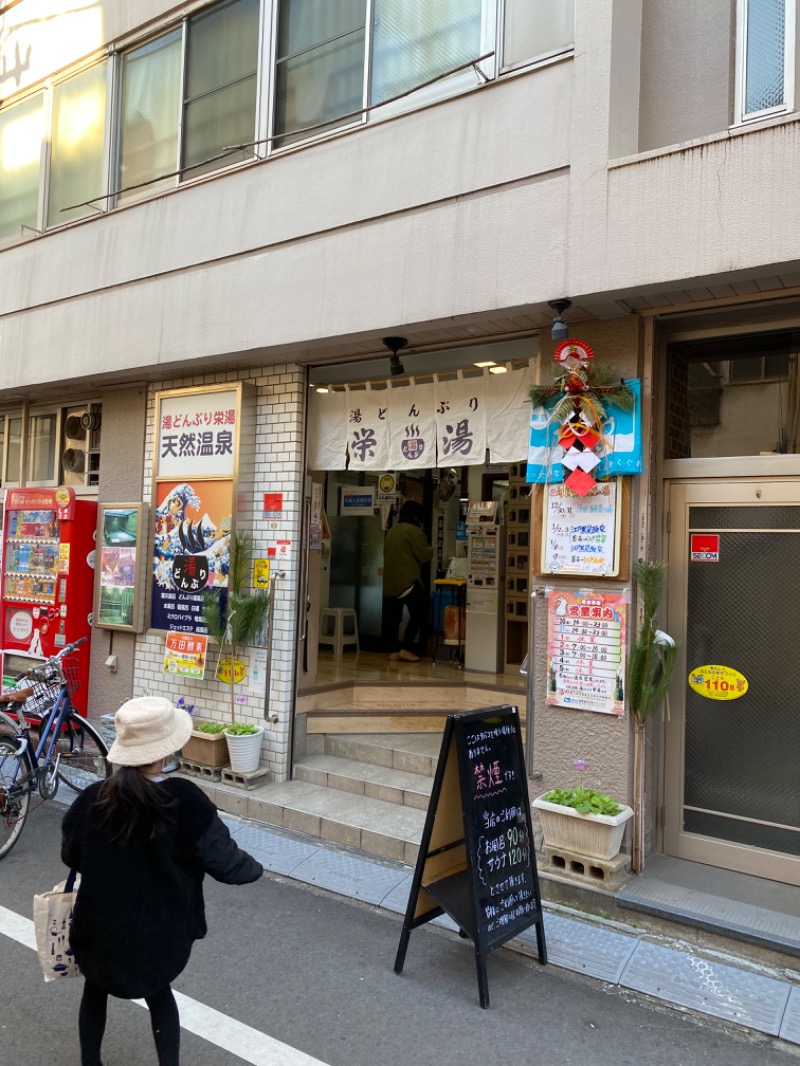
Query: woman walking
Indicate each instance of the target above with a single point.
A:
(142, 844)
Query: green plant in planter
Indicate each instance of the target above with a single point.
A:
(209, 727)
(583, 800)
(240, 729)
(240, 623)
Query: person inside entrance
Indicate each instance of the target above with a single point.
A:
(405, 552)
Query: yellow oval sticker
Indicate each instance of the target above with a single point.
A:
(224, 671)
(718, 682)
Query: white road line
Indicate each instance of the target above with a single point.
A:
(218, 1029)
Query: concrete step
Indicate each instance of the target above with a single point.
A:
(415, 753)
(390, 830)
(366, 779)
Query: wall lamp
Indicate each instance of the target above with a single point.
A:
(559, 331)
(394, 344)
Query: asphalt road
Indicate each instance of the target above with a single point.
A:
(312, 975)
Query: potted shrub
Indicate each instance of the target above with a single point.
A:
(582, 820)
(235, 624)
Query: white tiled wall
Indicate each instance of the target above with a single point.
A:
(280, 392)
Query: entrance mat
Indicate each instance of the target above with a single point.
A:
(752, 909)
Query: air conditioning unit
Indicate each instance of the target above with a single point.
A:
(80, 455)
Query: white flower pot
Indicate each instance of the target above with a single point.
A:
(245, 752)
(595, 836)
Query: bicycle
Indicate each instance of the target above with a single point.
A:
(69, 748)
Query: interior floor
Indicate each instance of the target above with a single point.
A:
(370, 666)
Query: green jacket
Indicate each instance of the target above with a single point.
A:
(405, 550)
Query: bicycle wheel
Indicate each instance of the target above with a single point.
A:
(83, 754)
(14, 797)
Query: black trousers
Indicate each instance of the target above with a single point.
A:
(164, 1021)
(417, 604)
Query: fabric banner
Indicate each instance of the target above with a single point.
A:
(621, 429)
(509, 408)
(461, 420)
(412, 424)
(327, 435)
(367, 415)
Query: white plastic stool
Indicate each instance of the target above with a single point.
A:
(338, 628)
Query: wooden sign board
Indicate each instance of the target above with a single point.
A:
(476, 859)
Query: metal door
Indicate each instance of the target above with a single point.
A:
(732, 772)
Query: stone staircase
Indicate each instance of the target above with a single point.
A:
(368, 791)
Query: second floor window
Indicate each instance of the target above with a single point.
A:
(765, 59)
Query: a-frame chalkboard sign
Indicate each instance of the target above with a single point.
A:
(476, 858)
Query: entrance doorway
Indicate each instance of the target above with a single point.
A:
(732, 767)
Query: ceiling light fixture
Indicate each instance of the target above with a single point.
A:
(487, 362)
(498, 369)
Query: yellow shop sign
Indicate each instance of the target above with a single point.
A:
(718, 682)
(224, 671)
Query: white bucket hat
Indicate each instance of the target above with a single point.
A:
(148, 728)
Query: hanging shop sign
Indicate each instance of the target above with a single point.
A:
(196, 462)
(586, 651)
(185, 655)
(228, 666)
(716, 682)
(446, 420)
(582, 533)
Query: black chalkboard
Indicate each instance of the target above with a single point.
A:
(476, 860)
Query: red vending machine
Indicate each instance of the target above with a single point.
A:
(48, 579)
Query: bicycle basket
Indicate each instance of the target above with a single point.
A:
(69, 668)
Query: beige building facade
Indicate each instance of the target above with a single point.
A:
(223, 192)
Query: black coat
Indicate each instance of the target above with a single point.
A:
(140, 905)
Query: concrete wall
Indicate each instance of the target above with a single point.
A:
(123, 436)
(442, 212)
(687, 81)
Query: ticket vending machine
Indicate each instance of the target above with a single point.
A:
(485, 573)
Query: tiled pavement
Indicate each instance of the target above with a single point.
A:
(733, 990)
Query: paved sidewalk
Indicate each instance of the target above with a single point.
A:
(723, 986)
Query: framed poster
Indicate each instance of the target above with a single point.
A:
(586, 650)
(581, 534)
(121, 529)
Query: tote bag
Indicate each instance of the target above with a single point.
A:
(52, 920)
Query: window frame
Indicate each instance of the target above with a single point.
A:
(741, 115)
(540, 59)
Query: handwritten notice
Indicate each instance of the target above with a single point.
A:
(493, 784)
(581, 533)
(585, 651)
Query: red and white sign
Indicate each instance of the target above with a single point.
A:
(196, 434)
(704, 547)
(273, 503)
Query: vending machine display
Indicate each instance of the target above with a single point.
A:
(48, 578)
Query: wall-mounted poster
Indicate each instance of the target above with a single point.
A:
(191, 551)
(118, 585)
(185, 655)
(197, 474)
(582, 533)
(586, 650)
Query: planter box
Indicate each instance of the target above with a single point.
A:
(209, 749)
(245, 751)
(596, 836)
